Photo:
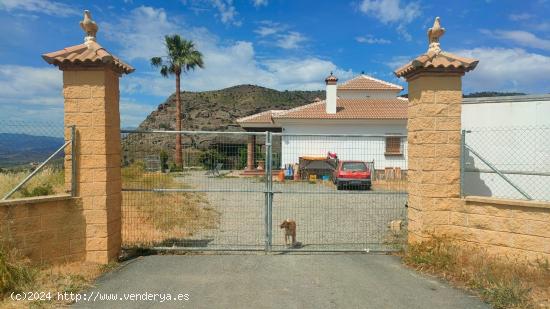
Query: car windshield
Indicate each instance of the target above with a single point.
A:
(354, 166)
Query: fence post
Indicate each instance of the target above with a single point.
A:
(91, 110)
(269, 189)
(462, 161)
(434, 135)
(73, 160)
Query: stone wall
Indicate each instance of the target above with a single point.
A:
(48, 229)
(514, 228)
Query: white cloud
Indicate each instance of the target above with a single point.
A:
(369, 39)
(39, 6)
(228, 13)
(30, 85)
(520, 16)
(133, 113)
(226, 64)
(392, 12)
(522, 38)
(258, 3)
(140, 32)
(279, 36)
(268, 28)
(290, 40)
(501, 69)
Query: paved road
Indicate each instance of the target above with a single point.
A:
(279, 281)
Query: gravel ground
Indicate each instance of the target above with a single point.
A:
(326, 218)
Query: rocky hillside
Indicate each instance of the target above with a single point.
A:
(218, 110)
(210, 111)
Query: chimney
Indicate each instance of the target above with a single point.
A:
(330, 101)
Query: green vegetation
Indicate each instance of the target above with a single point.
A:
(499, 281)
(46, 182)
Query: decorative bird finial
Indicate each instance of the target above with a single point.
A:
(89, 26)
(434, 33)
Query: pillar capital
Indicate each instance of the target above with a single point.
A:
(435, 61)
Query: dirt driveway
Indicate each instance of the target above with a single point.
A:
(275, 281)
(326, 218)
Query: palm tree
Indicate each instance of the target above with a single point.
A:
(181, 57)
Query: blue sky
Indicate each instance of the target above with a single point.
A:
(272, 43)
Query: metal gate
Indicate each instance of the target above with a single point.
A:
(232, 190)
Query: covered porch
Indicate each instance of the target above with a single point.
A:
(259, 123)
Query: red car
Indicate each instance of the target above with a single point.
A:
(352, 173)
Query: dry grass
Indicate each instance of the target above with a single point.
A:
(72, 277)
(18, 274)
(48, 177)
(154, 217)
(502, 282)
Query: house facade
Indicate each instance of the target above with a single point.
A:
(361, 119)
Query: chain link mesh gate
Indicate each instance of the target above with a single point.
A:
(230, 192)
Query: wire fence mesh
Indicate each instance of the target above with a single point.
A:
(24, 146)
(233, 190)
(507, 162)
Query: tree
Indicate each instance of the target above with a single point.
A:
(181, 56)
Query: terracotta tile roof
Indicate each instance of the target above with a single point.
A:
(437, 60)
(365, 82)
(88, 53)
(394, 108)
(263, 117)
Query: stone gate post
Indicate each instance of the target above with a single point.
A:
(434, 133)
(91, 103)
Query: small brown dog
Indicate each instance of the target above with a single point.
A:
(290, 230)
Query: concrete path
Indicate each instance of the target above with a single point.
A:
(276, 281)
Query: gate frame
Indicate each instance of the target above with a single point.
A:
(268, 192)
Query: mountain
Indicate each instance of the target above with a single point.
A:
(19, 149)
(491, 94)
(215, 110)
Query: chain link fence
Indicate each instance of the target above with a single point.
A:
(24, 149)
(507, 162)
(232, 190)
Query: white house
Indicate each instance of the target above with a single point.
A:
(366, 109)
(512, 133)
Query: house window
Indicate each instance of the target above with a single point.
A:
(393, 145)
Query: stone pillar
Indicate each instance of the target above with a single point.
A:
(434, 126)
(91, 103)
(251, 153)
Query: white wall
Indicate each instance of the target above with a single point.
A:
(347, 148)
(515, 144)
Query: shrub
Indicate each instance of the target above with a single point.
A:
(163, 160)
(40, 190)
(211, 157)
(15, 275)
(502, 282)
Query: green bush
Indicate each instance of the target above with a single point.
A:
(163, 160)
(211, 157)
(174, 168)
(41, 190)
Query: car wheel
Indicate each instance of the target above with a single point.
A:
(338, 185)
